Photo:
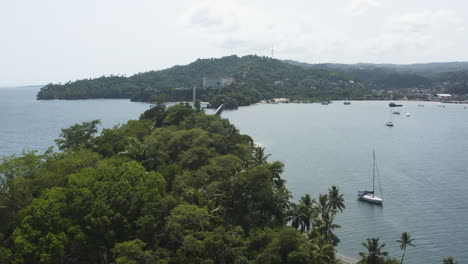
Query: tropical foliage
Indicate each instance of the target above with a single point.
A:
(257, 78)
(176, 186)
(450, 260)
(405, 241)
(374, 254)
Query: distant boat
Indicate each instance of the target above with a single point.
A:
(390, 123)
(369, 196)
(396, 112)
(408, 114)
(347, 103)
(421, 105)
(325, 103)
(392, 104)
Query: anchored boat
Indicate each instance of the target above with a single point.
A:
(369, 196)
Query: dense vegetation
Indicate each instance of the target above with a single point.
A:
(262, 78)
(256, 78)
(449, 77)
(176, 186)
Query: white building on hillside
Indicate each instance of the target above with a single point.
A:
(217, 81)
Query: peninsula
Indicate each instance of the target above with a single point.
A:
(241, 81)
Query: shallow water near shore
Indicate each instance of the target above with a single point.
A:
(422, 160)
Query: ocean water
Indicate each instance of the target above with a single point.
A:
(422, 163)
(29, 124)
(422, 160)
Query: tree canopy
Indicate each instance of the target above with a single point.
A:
(176, 186)
(256, 78)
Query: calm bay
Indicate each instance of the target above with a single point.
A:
(422, 163)
(422, 160)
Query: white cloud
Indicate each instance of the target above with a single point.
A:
(202, 17)
(211, 15)
(358, 7)
(415, 35)
(230, 25)
(423, 21)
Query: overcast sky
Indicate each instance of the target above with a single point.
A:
(46, 41)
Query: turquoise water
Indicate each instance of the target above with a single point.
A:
(422, 160)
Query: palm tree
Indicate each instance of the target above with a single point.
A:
(375, 254)
(450, 260)
(322, 204)
(301, 214)
(336, 200)
(405, 240)
(298, 218)
(323, 251)
(307, 201)
(325, 226)
(258, 156)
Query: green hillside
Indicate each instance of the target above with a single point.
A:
(256, 78)
(450, 77)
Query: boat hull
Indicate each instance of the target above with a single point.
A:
(371, 198)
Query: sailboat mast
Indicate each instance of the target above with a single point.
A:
(373, 170)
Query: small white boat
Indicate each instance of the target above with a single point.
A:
(389, 124)
(369, 196)
(408, 114)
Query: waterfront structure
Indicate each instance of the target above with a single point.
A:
(214, 82)
(444, 96)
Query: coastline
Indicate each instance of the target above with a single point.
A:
(346, 259)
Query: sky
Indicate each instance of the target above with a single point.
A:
(53, 41)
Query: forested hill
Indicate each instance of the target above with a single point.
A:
(256, 78)
(450, 77)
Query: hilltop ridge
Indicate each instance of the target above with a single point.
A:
(256, 78)
(434, 77)
(263, 78)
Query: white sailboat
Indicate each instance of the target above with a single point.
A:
(369, 196)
